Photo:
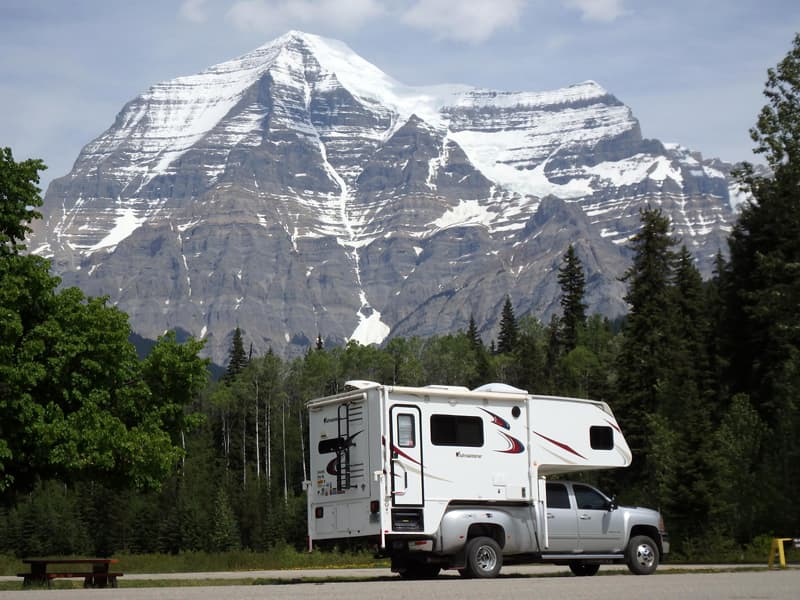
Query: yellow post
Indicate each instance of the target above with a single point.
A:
(777, 546)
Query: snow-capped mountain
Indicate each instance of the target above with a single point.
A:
(298, 190)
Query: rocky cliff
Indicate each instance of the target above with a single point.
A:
(299, 191)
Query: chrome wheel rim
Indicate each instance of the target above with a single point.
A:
(645, 555)
(486, 558)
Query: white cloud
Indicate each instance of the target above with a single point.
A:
(464, 20)
(276, 15)
(194, 11)
(598, 10)
(461, 20)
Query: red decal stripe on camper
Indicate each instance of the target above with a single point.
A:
(560, 445)
(497, 420)
(404, 455)
(517, 447)
(614, 425)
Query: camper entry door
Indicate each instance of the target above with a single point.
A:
(406, 452)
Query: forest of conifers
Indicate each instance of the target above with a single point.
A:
(102, 451)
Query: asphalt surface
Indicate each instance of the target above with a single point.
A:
(689, 582)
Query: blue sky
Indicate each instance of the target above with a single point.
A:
(693, 72)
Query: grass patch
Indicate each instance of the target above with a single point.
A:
(720, 550)
(278, 558)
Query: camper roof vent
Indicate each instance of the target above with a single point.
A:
(360, 384)
(449, 388)
(500, 388)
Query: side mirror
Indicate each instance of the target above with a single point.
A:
(612, 504)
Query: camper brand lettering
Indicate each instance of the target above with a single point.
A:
(460, 454)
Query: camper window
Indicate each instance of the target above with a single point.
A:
(406, 436)
(601, 437)
(456, 430)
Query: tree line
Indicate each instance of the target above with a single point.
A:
(102, 452)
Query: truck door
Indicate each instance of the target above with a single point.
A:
(406, 455)
(562, 523)
(599, 528)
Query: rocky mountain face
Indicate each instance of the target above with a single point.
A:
(299, 191)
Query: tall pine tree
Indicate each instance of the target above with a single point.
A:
(237, 358)
(644, 362)
(764, 285)
(479, 350)
(573, 287)
(509, 332)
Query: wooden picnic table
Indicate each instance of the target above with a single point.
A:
(100, 574)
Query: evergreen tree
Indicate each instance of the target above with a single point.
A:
(224, 534)
(509, 332)
(553, 354)
(237, 358)
(573, 286)
(483, 369)
(530, 356)
(645, 360)
(688, 402)
(763, 292)
(473, 335)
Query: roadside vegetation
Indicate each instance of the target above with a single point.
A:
(106, 453)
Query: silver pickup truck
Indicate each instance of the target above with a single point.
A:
(585, 528)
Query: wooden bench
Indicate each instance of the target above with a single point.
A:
(99, 576)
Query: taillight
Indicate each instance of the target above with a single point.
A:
(374, 506)
(318, 512)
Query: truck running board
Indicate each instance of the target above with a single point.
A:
(578, 556)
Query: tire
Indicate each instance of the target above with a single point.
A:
(484, 558)
(641, 555)
(583, 569)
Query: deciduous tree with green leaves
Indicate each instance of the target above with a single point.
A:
(73, 401)
(19, 196)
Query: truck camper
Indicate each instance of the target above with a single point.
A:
(443, 477)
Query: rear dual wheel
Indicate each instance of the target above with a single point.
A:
(484, 558)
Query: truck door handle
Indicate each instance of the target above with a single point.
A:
(551, 516)
(585, 517)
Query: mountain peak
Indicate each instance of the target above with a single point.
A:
(298, 190)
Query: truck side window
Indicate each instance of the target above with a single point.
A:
(557, 496)
(406, 436)
(589, 498)
(456, 430)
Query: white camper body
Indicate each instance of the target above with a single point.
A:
(392, 463)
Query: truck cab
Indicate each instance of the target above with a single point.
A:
(585, 523)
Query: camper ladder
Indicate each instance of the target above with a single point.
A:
(349, 416)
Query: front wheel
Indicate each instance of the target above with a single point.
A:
(484, 558)
(642, 555)
(582, 569)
